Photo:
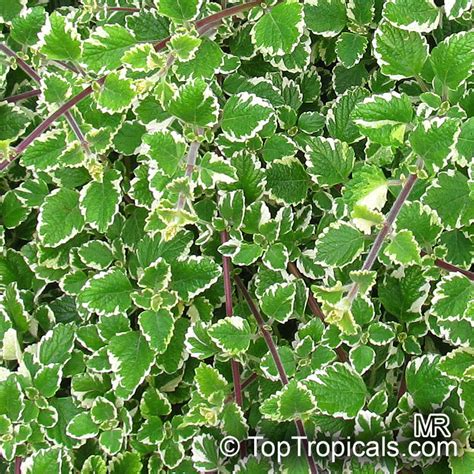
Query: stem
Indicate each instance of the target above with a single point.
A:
(422, 84)
(451, 268)
(316, 309)
(229, 310)
(18, 461)
(35, 76)
(245, 383)
(190, 165)
(123, 9)
(204, 24)
(279, 364)
(23, 65)
(386, 228)
(23, 96)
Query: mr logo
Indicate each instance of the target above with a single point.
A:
(431, 425)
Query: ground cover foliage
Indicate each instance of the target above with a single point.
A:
(229, 218)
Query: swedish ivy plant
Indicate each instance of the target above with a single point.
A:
(229, 218)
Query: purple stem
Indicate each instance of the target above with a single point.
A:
(18, 462)
(386, 228)
(279, 364)
(23, 96)
(449, 267)
(36, 77)
(229, 311)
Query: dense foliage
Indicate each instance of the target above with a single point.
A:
(229, 218)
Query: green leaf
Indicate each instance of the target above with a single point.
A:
(157, 327)
(456, 8)
(59, 218)
(362, 358)
(127, 462)
(278, 146)
(13, 121)
(276, 257)
(434, 141)
(380, 334)
(232, 335)
(166, 148)
(422, 221)
(452, 59)
(56, 345)
(338, 119)
(425, 383)
(193, 275)
(361, 12)
(131, 359)
(449, 196)
(82, 427)
(462, 464)
(9, 10)
(412, 15)
(26, 27)
(293, 402)
(45, 152)
(210, 383)
(399, 53)
(278, 31)
(453, 298)
(205, 455)
(214, 169)
(287, 181)
(244, 116)
(48, 379)
(116, 95)
(107, 293)
(338, 245)
(350, 48)
(195, 103)
(325, 17)
(13, 211)
(179, 10)
(241, 253)
(457, 362)
(278, 301)
(59, 39)
(403, 249)
(329, 161)
(383, 118)
(99, 201)
(143, 57)
(103, 51)
(203, 62)
(338, 391)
